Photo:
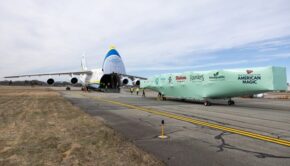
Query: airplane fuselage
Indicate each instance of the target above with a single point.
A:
(93, 78)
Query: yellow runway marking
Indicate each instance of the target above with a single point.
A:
(202, 123)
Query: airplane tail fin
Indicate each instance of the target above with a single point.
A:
(83, 62)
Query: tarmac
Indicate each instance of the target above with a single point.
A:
(194, 144)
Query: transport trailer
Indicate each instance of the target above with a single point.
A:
(218, 84)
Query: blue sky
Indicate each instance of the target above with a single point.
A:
(152, 36)
(272, 52)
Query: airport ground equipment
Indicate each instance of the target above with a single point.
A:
(218, 84)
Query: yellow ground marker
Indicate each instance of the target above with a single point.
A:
(162, 136)
(202, 123)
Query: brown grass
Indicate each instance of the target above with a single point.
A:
(39, 127)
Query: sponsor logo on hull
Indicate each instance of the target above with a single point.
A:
(156, 81)
(217, 77)
(180, 78)
(170, 80)
(198, 77)
(249, 71)
(249, 78)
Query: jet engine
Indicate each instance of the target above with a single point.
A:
(74, 80)
(136, 82)
(50, 81)
(125, 80)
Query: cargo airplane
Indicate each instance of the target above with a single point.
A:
(112, 75)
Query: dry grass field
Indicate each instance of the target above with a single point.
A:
(39, 127)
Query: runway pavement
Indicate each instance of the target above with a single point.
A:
(191, 144)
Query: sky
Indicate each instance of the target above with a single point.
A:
(152, 36)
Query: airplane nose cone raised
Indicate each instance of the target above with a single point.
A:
(113, 63)
(112, 52)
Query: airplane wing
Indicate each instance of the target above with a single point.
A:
(50, 74)
(133, 77)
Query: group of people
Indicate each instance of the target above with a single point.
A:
(137, 91)
(159, 97)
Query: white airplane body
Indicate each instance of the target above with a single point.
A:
(111, 75)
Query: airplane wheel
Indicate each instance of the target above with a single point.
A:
(67, 88)
(206, 103)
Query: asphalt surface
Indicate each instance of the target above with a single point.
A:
(190, 144)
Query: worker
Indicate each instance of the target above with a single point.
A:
(137, 91)
(131, 90)
(143, 94)
(159, 96)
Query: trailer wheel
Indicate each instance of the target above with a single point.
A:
(231, 102)
(163, 98)
(206, 103)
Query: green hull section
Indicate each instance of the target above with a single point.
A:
(218, 83)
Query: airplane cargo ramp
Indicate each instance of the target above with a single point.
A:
(216, 84)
